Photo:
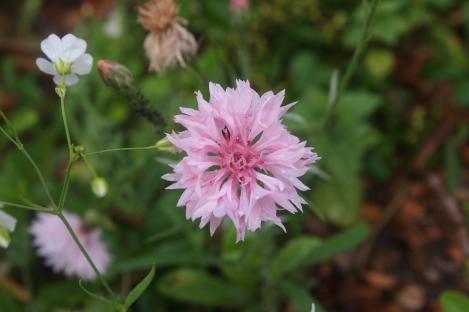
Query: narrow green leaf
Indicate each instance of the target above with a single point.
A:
(339, 243)
(140, 288)
(454, 301)
(95, 296)
(199, 287)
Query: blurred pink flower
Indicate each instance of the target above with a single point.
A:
(60, 251)
(241, 160)
(242, 5)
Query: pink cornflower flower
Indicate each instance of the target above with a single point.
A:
(239, 5)
(60, 251)
(241, 162)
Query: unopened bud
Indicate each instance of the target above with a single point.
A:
(165, 145)
(116, 76)
(79, 149)
(99, 187)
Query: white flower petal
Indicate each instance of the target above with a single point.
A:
(72, 48)
(68, 80)
(7, 221)
(83, 64)
(46, 66)
(52, 47)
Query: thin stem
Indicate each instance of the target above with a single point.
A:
(352, 66)
(121, 149)
(17, 142)
(35, 208)
(85, 253)
(67, 132)
(89, 166)
(8, 136)
(64, 193)
(39, 173)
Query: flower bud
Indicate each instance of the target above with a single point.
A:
(116, 76)
(99, 187)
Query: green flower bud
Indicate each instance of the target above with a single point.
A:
(99, 187)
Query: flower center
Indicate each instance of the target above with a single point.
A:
(62, 68)
(238, 159)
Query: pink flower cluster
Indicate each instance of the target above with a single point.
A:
(60, 251)
(241, 162)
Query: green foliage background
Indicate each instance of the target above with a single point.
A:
(282, 44)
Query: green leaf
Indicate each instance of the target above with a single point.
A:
(454, 301)
(292, 255)
(300, 298)
(139, 289)
(339, 243)
(199, 287)
(306, 251)
(93, 295)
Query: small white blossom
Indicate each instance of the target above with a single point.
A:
(67, 58)
(7, 225)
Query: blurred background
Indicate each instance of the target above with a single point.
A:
(386, 228)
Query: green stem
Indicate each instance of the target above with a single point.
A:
(39, 173)
(85, 253)
(8, 136)
(90, 167)
(352, 66)
(17, 142)
(67, 132)
(63, 198)
(121, 149)
(35, 208)
(64, 192)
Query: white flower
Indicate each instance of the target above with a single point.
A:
(67, 58)
(7, 225)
